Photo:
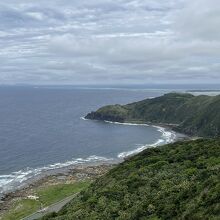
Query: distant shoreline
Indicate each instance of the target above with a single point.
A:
(168, 126)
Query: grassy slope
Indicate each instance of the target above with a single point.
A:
(176, 181)
(48, 195)
(195, 115)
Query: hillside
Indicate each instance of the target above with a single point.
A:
(175, 181)
(193, 115)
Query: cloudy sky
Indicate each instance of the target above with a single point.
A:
(109, 41)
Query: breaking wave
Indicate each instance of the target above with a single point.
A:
(18, 179)
(168, 136)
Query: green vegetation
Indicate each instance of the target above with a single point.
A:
(20, 209)
(47, 196)
(193, 115)
(175, 181)
(52, 194)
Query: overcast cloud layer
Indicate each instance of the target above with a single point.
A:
(109, 41)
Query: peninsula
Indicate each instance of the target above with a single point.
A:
(185, 113)
(174, 181)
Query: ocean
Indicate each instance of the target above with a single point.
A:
(43, 129)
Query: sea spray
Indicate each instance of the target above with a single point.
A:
(18, 179)
(168, 136)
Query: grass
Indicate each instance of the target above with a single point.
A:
(52, 194)
(20, 209)
(47, 196)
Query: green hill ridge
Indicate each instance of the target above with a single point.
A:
(193, 115)
(175, 181)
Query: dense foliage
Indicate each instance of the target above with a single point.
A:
(194, 115)
(176, 181)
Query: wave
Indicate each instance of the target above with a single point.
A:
(167, 137)
(19, 178)
(139, 149)
(117, 123)
(83, 118)
(125, 123)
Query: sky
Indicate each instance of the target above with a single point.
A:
(109, 41)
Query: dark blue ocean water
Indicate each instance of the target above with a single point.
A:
(41, 128)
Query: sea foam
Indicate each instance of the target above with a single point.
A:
(168, 136)
(19, 178)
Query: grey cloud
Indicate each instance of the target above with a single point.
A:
(122, 41)
(199, 19)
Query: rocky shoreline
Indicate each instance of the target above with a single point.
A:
(72, 175)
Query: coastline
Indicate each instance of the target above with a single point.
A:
(148, 123)
(168, 136)
(86, 171)
(20, 179)
(76, 174)
(168, 127)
